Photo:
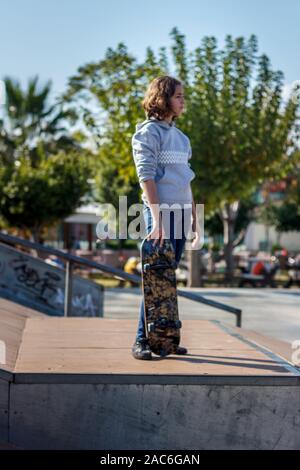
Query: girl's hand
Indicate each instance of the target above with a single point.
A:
(157, 234)
(196, 239)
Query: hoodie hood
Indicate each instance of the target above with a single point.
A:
(163, 124)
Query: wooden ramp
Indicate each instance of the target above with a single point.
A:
(72, 383)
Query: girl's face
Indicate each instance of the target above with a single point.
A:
(177, 100)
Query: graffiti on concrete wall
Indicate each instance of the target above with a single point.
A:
(39, 285)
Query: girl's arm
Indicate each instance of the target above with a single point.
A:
(193, 215)
(195, 228)
(149, 187)
(158, 231)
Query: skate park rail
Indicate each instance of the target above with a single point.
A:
(72, 260)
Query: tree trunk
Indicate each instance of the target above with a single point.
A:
(267, 235)
(195, 265)
(35, 237)
(229, 214)
(278, 238)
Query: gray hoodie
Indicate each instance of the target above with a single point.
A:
(161, 152)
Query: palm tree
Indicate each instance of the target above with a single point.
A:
(31, 126)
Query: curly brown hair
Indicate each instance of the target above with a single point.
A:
(156, 102)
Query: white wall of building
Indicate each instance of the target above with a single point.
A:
(256, 233)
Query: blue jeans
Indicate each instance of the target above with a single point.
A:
(177, 242)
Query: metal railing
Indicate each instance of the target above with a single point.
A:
(71, 260)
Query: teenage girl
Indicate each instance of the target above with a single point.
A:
(161, 153)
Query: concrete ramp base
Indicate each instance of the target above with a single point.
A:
(153, 416)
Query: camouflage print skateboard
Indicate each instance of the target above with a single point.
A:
(160, 296)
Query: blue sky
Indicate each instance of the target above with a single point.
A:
(52, 38)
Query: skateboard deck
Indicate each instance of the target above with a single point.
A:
(160, 296)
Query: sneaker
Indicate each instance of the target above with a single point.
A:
(181, 350)
(141, 349)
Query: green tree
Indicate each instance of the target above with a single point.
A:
(246, 213)
(240, 130)
(286, 217)
(284, 214)
(33, 198)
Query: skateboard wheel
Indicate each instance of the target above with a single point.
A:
(163, 322)
(178, 324)
(146, 267)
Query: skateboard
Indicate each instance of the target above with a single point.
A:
(160, 296)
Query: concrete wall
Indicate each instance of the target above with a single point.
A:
(4, 401)
(41, 286)
(154, 416)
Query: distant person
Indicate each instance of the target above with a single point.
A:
(131, 264)
(130, 267)
(54, 261)
(75, 243)
(258, 268)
